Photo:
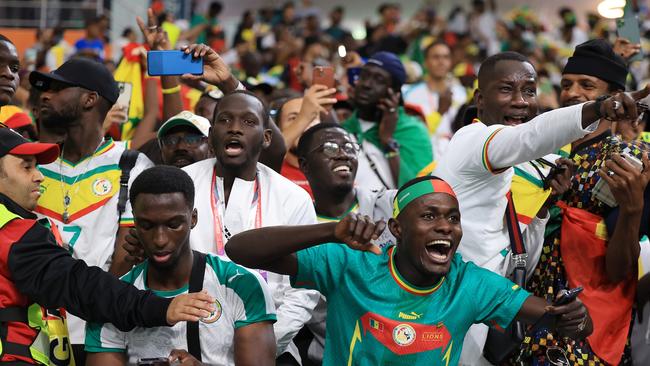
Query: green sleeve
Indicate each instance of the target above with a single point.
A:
(415, 147)
(321, 267)
(498, 300)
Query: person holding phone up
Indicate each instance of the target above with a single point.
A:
(395, 147)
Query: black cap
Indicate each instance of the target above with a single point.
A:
(597, 58)
(11, 142)
(82, 72)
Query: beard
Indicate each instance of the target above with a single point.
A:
(60, 119)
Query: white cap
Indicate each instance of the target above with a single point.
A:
(186, 118)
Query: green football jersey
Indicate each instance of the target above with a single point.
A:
(375, 317)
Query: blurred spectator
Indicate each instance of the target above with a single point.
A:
(207, 28)
(336, 30)
(482, 25)
(92, 45)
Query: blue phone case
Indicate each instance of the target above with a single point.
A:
(161, 63)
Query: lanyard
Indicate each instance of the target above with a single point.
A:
(218, 226)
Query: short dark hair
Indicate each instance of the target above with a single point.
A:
(307, 137)
(434, 44)
(489, 64)
(278, 113)
(163, 179)
(265, 108)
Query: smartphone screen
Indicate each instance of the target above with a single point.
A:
(161, 63)
(628, 27)
(323, 75)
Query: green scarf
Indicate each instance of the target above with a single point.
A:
(412, 135)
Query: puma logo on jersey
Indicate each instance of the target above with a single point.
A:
(412, 316)
(235, 276)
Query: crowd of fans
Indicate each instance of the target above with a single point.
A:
(473, 168)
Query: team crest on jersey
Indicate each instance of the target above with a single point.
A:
(215, 315)
(404, 335)
(102, 186)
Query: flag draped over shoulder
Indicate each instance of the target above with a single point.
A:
(583, 245)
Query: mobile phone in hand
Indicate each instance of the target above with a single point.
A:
(323, 75)
(568, 296)
(164, 63)
(628, 27)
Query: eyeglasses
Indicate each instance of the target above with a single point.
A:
(332, 149)
(190, 140)
(556, 356)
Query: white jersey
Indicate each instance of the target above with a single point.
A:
(242, 298)
(282, 203)
(419, 94)
(92, 186)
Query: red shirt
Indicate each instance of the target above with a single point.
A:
(295, 175)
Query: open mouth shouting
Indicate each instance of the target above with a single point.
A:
(515, 120)
(439, 251)
(233, 148)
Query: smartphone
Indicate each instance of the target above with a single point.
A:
(323, 75)
(161, 63)
(569, 296)
(628, 27)
(157, 361)
(547, 319)
(124, 99)
(353, 75)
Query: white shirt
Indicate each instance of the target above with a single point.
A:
(369, 155)
(242, 298)
(420, 94)
(93, 185)
(283, 203)
(468, 168)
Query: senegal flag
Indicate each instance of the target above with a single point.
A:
(129, 76)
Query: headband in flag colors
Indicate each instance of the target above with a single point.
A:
(419, 189)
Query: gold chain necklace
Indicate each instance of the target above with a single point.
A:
(67, 199)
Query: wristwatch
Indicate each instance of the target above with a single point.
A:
(598, 103)
(392, 146)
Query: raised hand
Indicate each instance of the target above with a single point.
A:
(622, 106)
(316, 100)
(190, 307)
(154, 36)
(625, 48)
(389, 116)
(357, 231)
(215, 70)
(133, 247)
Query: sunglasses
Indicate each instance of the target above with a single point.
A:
(189, 140)
(332, 149)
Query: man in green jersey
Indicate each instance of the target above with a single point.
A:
(409, 304)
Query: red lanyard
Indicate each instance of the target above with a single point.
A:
(214, 201)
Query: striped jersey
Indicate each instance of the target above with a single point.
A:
(242, 298)
(92, 186)
(388, 321)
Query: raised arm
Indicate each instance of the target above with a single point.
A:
(273, 248)
(549, 131)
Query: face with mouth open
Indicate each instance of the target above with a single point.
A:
(428, 232)
(163, 223)
(510, 96)
(239, 131)
(328, 167)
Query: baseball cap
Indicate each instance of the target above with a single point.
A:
(392, 64)
(186, 118)
(11, 142)
(82, 72)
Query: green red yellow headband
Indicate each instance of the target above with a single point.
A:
(419, 189)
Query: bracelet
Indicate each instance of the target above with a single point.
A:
(172, 90)
(598, 102)
(391, 154)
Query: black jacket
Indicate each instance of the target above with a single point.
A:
(48, 275)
